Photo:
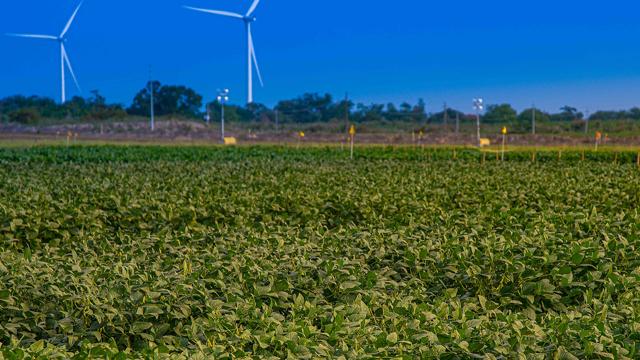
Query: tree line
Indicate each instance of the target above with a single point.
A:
(181, 101)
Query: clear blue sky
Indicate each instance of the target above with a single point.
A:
(553, 53)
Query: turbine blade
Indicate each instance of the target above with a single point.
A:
(34, 36)
(215, 12)
(73, 75)
(255, 58)
(253, 7)
(66, 28)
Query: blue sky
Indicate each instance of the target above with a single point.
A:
(551, 53)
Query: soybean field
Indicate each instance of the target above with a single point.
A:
(266, 252)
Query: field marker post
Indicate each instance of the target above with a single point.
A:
(484, 157)
(504, 141)
(352, 135)
(615, 158)
(559, 155)
(638, 160)
(533, 156)
(583, 155)
(68, 138)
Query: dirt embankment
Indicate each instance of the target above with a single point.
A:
(185, 131)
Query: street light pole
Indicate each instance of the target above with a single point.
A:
(478, 105)
(223, 97)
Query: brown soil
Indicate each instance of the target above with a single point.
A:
(185, 132)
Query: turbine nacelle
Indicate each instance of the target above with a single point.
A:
(248, 19)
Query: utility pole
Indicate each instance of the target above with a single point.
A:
(346, 112)
(151, 91)
(533, 119)
(586, 122)
(445, 114)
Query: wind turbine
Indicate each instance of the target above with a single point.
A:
(252, 59)
(64, 58)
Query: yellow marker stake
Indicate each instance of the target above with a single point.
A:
(352, 135)
(504, 141)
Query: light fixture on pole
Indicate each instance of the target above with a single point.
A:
(478, 106)
(223, 97)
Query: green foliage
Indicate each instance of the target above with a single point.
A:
(307, 109)
(33, 110)
(168, 100)
(526, 116)
(27, 116)
(632, 114)
(567, 114)
(502, 114)
(151, 252)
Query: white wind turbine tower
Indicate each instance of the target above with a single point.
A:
(64, 58)
(252, 59)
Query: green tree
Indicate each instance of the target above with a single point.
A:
(527, 114)
(501, 114)
(308, 108)
(26, 116)
(567, 113)
(168, 100)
